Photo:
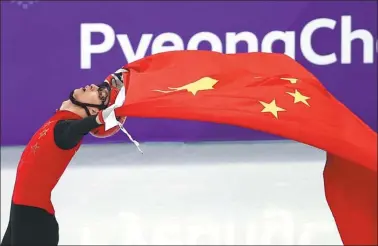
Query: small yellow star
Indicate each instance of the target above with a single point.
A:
(43, 133)
(291, 80)
(298, 97)
(271, 108)
(34, 148)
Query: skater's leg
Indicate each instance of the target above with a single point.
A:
(33, 226)
(7, 236)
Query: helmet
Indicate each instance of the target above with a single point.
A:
(113, 83)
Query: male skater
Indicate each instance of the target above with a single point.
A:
(48, 153)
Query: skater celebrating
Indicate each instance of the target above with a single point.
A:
(48, 153)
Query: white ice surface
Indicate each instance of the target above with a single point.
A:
(208, 193)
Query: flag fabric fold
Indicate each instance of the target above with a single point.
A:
(274, 94)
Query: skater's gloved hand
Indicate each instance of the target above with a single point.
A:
(105, 114)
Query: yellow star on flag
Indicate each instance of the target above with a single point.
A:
(202, 84)
(271, 108)
(291, 80)
(298, 97)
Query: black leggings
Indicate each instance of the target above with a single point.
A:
(31, 226)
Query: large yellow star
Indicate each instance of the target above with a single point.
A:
(271, 108)
(298, 97)
(291, 80)
(202, 84)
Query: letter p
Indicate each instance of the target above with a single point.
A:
(86, 46)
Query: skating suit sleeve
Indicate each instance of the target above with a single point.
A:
(68, 133)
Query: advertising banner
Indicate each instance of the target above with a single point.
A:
(49, 48)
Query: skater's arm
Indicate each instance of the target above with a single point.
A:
(68, 133)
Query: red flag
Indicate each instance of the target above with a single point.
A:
(274, 94)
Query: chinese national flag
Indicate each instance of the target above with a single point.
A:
(274, 94)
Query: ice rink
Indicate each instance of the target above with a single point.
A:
(200, 193)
